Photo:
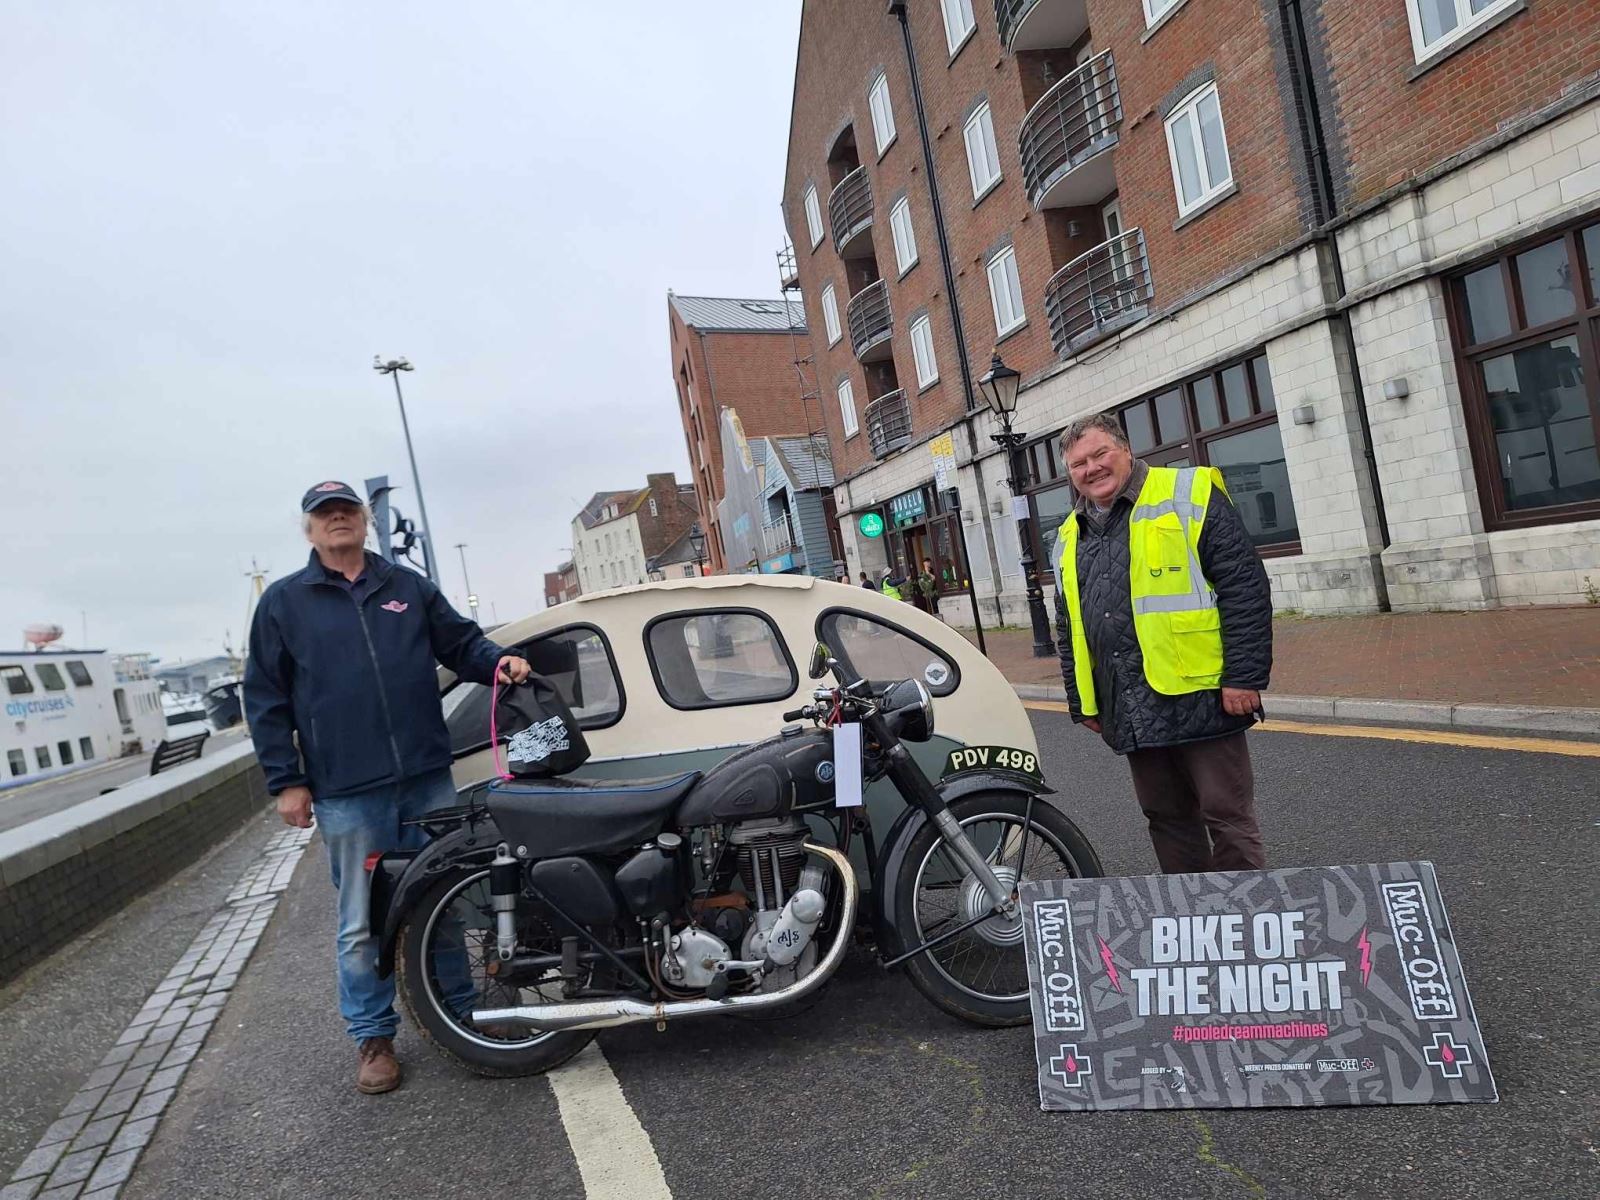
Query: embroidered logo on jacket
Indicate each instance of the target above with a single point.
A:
(395, 606)
(538, 742)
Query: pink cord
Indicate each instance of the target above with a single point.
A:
(494, 733)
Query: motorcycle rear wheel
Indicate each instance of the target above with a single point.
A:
(934, 891)
(459, 903)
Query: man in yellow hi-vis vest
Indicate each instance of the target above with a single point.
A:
(1164, 616)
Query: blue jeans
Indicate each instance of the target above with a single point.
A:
(353, 827)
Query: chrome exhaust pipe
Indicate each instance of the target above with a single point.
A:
(601, 1014)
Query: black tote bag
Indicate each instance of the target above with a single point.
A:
(541, 735)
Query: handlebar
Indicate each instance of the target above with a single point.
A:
(797, 714)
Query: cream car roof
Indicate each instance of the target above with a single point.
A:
(983, 710)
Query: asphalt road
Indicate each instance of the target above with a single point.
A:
(874, 1093)
(19, 805)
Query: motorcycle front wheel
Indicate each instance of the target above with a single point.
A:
(444, 956)
(981, 975)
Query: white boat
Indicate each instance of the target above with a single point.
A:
(68, 708)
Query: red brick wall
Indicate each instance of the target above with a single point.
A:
(842, 47)
(754, 374)
(1391, 127)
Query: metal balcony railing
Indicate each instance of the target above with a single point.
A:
(889, 423)
(1040, 24)
(850, 209)
(871, 323)
(1071, 124)
(779, 537)
(1098, 293)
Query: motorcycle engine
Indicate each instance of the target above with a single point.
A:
(772, 865)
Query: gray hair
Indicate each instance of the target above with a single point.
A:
(366, 519)
(1105, 422)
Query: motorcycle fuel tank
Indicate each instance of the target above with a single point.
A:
(763, 780)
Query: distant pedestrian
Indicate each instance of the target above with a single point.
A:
(867, 583)
(1164, 616)
(928, 587)
(343, 703)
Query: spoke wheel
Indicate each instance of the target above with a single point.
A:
(981, 974)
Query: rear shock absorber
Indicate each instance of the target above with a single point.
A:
(505, 884)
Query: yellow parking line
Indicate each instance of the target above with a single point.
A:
(1437, 737)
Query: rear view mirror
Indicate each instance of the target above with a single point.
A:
(821, 656)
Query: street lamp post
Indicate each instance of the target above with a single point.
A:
(697, 543)
(472, 599)
(999, 389)
(392, 368)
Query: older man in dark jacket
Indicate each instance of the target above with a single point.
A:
(342, 695)
(1165, 619)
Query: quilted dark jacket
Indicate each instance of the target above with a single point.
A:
(1133, 716)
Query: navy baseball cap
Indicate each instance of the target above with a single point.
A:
(321, 493)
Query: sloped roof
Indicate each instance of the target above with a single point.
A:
(624, 500)
(679, 552)
(805, 460)
(713, 314)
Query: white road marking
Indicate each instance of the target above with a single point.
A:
(614, 1153)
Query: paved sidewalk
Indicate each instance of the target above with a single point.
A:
(1541, 657)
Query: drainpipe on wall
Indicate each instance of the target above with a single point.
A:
(897, 9)
(1325, 206)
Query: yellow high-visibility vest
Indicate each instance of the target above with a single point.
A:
(890, 591)
(1175, 614)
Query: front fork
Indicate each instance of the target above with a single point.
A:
(919, 790)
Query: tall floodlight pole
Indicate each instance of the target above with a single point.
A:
(472, 598)
(392, 368)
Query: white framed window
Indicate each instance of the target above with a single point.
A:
(922, 351)
(1005, 290)
(983, 158)
(830, 315)
(847, 407)
(813, 215)
(652, 512)
(1198, 147)
(958, 22)
(1154, 10)
(882, 112)
(905, 240)
(1437, 23)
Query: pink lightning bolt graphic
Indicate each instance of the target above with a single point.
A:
(1111, 967)
(1366, 957)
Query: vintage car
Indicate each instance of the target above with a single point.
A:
(675, 676)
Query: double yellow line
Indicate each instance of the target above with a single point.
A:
(1437, 737)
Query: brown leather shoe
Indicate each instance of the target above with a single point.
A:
(379, 1070)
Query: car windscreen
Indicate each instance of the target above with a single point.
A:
(577, 660)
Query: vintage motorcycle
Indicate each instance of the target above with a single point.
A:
(548, 910)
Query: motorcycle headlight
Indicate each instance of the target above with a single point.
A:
(908, 709)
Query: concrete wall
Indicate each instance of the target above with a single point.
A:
(65, 873)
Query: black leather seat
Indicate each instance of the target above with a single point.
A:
(585, 816)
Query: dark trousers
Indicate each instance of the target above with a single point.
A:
(1200, 800)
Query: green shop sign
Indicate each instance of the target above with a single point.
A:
(907, 508)
(870, 524)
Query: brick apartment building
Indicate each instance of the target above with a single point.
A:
(616, 534)
(561, 585)
(1347, 251)
(747, 355)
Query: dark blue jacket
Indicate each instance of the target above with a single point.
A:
(351, 673)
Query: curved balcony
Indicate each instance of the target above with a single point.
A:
(1066, 138)
(1040, 24)
(889, 423)
(871, 323)
(1098, 293)
(850, 215)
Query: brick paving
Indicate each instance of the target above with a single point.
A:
(91, 1150)
(1542, 657)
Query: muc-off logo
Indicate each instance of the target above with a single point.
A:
(1432, 997)
(1058, 967)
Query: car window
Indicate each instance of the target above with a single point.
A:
(882, 653)
(576, 660)
(715, 659)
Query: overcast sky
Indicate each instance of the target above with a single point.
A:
(214, 215)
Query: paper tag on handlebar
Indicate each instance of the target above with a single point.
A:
(847, 766)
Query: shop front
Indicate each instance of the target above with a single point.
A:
(915, 526)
